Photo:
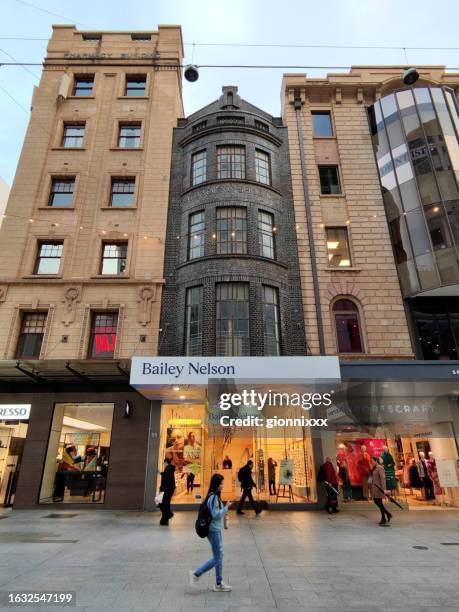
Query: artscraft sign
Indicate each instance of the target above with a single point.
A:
(14, 412)
(147, 371)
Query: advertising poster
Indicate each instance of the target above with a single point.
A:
(286, 472)
(447, 473)
(183, 446)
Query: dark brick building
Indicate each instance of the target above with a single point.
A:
(231, 262)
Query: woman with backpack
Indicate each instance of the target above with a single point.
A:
(217, 514)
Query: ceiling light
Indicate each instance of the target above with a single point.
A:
(332, 245)
(182, 397)
(176, 388)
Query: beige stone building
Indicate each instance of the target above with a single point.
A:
(337, 188)
(84, 229)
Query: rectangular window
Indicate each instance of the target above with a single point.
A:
(141, 37)
(232, 324)
(136, 85)
(129, 136)
(322, 124)
(261, 126)
(338, 247)
(262, 167)
(266, 234)
(231, 162)
(48, 257)
(271, 321)
(231, 120)
(83, 85)
(193, 332)
(114, 258)
(77, 459)
(122, 192)
(102, 341)
(61, 192)
(199, 167)
(196, 234)
(31, 335)
(199, 126)
(329, 180)
(92, 37)
(73, 135)
(231, 230)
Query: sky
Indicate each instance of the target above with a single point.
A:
(392, 23)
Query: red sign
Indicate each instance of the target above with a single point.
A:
(105, 343)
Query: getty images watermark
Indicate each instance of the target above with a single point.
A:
(255, 400)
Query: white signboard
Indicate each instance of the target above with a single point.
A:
(447, 473)
(14, 412)
(147, 371)
(286, 472)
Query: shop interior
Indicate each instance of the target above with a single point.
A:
(78, 454)
(282, 456)
(12, 439)
(420, 462)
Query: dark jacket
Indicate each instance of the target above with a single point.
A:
(245, 477)
(168, 480)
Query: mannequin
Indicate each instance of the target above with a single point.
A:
(427, 483)
(343, 472)
(389, 468)
(414, 481)
(433, 474)
(364, 470)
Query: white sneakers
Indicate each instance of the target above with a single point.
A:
(221, 588)
(218, 588)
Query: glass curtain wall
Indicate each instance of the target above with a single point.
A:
(415, 140)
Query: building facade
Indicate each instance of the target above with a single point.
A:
(82, 250)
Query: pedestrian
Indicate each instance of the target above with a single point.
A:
(218, 511)
(378, 487)
(272, 465)
(247, 484)
(167, 488)
(327, 474)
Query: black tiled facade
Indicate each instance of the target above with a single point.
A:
(259, 131)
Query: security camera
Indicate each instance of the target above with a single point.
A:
(410, 76)
(191, 73)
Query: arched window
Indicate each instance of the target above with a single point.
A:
(347, 324)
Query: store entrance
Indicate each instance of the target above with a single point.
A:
(12, 440)
(283, 466)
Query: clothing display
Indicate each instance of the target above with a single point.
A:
(433, 475)
(364, 468)
(426, 480)
(414, 480)
(389, 469)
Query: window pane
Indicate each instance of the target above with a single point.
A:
(194, 321)
(199, 168)
(122, 192)
(49, 258)
(196, 235)
(262, 167)
(129, 137)
(73, 136)
(231, 230)
(338, 247)
(230, 162)
(135, 85)
(271, 321)
(78, 454)
(347, 327)
(114, 258)
(62, 192)
(103, 335)
(321, 123)
(266, 234)
(83, 86)
(31, 335)
(232, 325)
(329, 180)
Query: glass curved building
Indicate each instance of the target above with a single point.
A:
(415, 139)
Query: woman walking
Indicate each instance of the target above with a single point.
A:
(378, 489)
(167, 488)
(218, 512)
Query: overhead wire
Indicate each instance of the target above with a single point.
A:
(38, 8)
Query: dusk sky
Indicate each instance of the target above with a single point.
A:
(389, 23)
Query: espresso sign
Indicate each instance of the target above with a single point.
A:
(14, 412)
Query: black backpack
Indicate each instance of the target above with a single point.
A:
(240, 475)
(204, 520)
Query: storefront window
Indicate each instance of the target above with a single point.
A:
(13, 432)
(78, 454)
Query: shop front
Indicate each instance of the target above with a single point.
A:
(14, 419)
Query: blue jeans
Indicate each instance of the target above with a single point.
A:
(216, 542)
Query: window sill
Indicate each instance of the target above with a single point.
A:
(324, 137)
(133, 97)
(126, 149)
(81, 98)
(109, 276)
(347, 269)
(40, 276)
(118, 208)
(332, 195)
(68, 148)
(56, 208)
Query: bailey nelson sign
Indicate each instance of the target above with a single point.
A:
(148, 371)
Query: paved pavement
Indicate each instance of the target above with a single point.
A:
(280, 561)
